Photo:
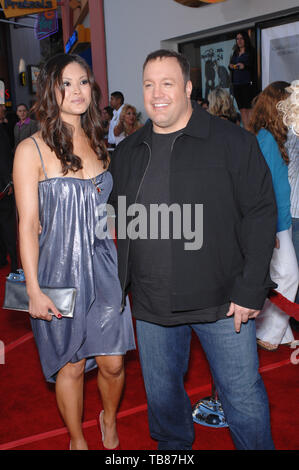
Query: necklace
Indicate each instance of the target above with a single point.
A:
(93, 180)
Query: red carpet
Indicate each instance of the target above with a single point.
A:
(30, 419)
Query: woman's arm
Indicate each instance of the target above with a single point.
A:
(26, 176)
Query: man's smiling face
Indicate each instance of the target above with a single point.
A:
(166, 96)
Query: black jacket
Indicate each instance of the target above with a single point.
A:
(219, 165)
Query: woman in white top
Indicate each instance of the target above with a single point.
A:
(290, 110)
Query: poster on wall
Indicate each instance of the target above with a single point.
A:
(14, 9)
(280, 57)
(214, 65)
(33, 72)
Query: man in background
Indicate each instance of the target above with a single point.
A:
(116, 102)
(26, 126)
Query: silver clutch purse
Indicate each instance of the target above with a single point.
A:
(16, 297)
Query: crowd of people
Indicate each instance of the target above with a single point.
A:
(120, 120)
(279, 145)
(241, 165)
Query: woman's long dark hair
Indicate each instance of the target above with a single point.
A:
(247, 43)
(56, 133)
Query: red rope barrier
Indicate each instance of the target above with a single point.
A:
(288, 307)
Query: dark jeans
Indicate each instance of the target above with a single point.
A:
(164, 356)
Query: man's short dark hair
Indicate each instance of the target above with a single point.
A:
(118, 95)
(165, 53)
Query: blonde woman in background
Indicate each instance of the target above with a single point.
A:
(128, 123)
(290, 108)
(221, 104)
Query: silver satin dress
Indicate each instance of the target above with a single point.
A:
(72, 255)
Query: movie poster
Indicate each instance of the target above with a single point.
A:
(280, 56)
(215, 59)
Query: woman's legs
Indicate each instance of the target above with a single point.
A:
(69, 396)
(295, 238)
(272, 324)
(111, 377)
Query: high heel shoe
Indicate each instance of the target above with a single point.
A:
(101, 428)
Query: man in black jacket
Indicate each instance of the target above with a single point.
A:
(196, 256)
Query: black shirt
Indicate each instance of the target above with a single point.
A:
(150, 258)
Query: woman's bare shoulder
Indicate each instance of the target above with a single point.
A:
(26, 153)
(27, 144)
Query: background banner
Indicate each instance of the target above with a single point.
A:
(26, 7)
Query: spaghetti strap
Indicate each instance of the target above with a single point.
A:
(40, 156)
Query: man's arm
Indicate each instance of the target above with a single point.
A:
(256, 200)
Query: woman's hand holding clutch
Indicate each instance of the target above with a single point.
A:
(40, 305)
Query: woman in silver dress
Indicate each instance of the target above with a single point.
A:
(61, 177)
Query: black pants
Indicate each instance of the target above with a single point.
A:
(8, 231)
